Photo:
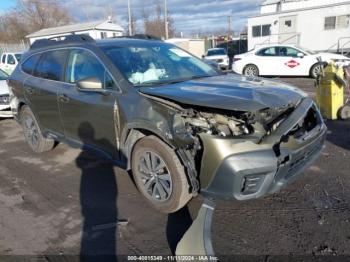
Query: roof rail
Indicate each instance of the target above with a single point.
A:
(140, 36)
(58, 40)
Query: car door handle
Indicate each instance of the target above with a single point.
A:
(63, 98)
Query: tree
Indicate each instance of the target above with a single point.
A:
(154, 23)
(29, 16)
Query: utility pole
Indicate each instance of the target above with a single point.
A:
(129, 12)
(229, 26)
(166, 19)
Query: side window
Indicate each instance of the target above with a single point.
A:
(3, 59)
(51, 65)
(288, 51)
(81, 65)
(29, 65)
(11, 60)
(271, 51)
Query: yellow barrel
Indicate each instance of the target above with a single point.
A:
(330, 92)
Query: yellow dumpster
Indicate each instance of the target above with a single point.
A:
(330, 92)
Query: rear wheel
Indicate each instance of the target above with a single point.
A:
(315, 70)
(32, 133)
(251, 70)
(159, 175)
(344, 112)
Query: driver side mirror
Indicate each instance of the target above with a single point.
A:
(90, 84)
(300, 55)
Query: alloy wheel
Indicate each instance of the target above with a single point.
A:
(31, 131)
(155, 176)
(251, 71)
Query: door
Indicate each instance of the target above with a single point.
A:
(41, 89)
(266, 59)
(288, 30)
(88, 115)
(289, 62)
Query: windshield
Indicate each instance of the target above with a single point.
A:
(3, 75)
(18, 57)
(219, 51)
(156, 64)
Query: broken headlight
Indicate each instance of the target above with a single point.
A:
(214, 124)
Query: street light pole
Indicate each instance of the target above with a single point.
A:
(129, 12)
(166, 19)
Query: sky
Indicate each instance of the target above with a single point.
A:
(190, 16)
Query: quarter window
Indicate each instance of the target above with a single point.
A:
(29, 65)
(50, 65)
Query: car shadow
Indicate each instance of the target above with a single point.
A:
(98, 199)
(338, 133)
(177, 225)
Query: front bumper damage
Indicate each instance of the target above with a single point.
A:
(242, 169)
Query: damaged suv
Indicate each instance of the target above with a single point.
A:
(181, 127)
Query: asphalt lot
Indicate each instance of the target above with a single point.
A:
(47, 202)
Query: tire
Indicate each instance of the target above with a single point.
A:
(32, 132)
(315, 70)
(344, 112)
(169, 193)
(251, 70)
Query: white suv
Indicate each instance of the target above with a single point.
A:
(9, 61)
(219, 55)
(5, 108)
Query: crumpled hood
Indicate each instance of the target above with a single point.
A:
(4, 90)
(230, 92)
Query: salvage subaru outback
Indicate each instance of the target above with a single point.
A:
(181, 127)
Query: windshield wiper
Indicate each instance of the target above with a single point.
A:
(172, 81)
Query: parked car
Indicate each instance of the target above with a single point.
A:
(283, 60)
(234, 47)
(179, 125)
(219, 55)
(5, 109)
(9, 61)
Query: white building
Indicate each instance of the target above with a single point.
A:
(97, 30)
(193, 46)
(319, 25)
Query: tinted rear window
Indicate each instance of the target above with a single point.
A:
(29, 65)
(51, 65)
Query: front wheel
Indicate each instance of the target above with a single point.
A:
(159, 175)
(32, 133)
(251, 70)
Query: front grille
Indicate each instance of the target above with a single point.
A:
(4, 99)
